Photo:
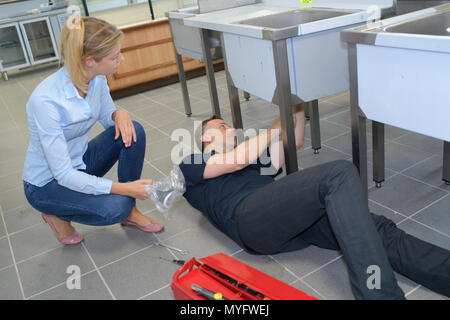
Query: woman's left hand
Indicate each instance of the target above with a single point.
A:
(124, 126)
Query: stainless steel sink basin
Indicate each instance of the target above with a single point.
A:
(291, 18)
(437, 25)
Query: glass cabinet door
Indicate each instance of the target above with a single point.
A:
(12, 53)
(40, 41)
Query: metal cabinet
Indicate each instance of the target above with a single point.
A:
(26, 43)
(13, 52)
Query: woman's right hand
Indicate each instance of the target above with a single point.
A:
(135, 189)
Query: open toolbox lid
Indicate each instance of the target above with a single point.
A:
(234, 279)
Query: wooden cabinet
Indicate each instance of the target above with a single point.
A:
(149, 55)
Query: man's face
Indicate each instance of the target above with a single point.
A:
(221, 134)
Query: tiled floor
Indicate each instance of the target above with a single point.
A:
(124, 263)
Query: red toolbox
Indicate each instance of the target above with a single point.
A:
(231, 278)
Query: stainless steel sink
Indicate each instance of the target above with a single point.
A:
(291, 18)
(435, 25)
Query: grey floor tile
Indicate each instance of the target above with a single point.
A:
(13, 200)
(342, 117)
(306, 157)
(91, 288)
(342, 99)
(305, 288)
(11, 181)
(380, 210)
(180, 128)
(10, 166)
(328, 130)
(437, 216)
(150, 172)
(5, 254)
(130, 100)
(146, 109)
(165, 293)
(267, 265)
(423, 293)
(33, 241)
(343, 142)
(332, 281)
(399, 157)
(429, 171)
(2, 229)
(50, 269)
(405, 195)
(421, 142)
(328, 110)
(180, 217)
(110, 244)
(391, 133)
(22, 217)
(202, 241)
(166, 164)
(424, 233)
(159, 149)
(140, 273)
(10, 288)
(302, 262)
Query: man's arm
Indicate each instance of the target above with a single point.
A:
(240, 157)
(250, 150)
(277, 148)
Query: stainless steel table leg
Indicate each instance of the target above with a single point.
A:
(358, 121)
(378, 152)
(5, 75)
(246, 95)
(210, 72)
(184, 89)
(284, 102)
(307, 111)
(233, 92)
(446, 167)
(314, 124)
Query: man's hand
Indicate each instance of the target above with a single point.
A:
(124, 127)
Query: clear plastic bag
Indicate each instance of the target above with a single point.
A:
(165, 192)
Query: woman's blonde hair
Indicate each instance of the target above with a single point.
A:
(84, 37)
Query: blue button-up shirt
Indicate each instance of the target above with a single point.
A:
(60, 122)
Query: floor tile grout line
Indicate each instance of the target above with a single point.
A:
(411, 217)
(321, 267)
(154, 291)
(285, 267)
(59, 246)
(428, 227)
(334, 115)
(418, 180)
(412, 290)
(154, 167)
(19, 280)
(14, 119)
(58, 285)
(98, 271)
(6, 267)
(323, 297)
(389, 208)
(405, 217)
(40, 254)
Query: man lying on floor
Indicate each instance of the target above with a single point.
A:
(323, 205)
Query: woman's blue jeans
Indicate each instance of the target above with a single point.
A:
(97, 210)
